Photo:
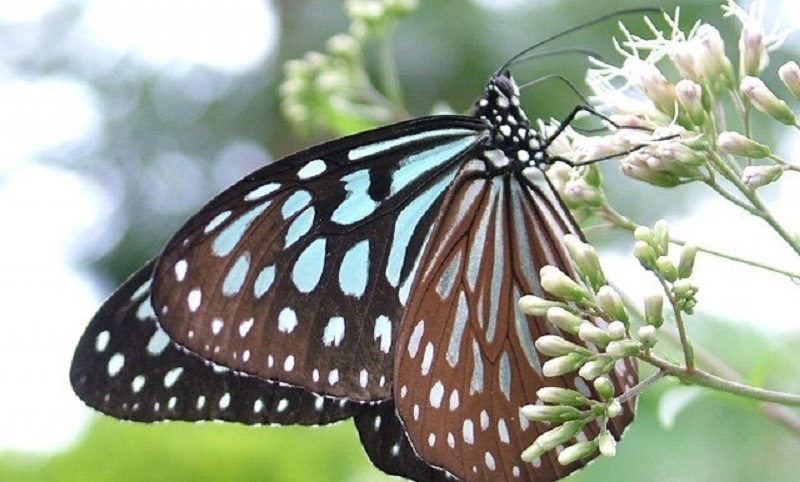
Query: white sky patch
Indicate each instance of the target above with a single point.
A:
(14, 11)
(46, 304)
(229, 35)
(43, 114)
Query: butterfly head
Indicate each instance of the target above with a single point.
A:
(516, 145)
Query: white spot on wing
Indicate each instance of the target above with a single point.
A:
(383, 332)
(194, 299)
(115, 364)
(101, 342)
(427, 358)
(312, 169)
(180, 270)
(287, 320)
(244, 327)
(334, 331)
(416, 337)
(437, 393)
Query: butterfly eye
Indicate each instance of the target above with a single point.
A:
(375, 277)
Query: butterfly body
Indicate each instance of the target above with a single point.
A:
(374, 276)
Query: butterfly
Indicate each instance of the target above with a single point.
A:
(375, 276)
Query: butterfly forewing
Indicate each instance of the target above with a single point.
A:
(466, 361)
(126, 366)
(296, 273)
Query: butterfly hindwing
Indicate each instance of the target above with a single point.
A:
(466, 361)
(386, 443)
(127, 367)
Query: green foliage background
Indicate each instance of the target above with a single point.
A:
(445, 52)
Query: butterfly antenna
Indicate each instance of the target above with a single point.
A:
(571, 30)
(555, 53)
(561, 78)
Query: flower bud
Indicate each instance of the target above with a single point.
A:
(643, 233)
(661, 233)
(682, 55)
(564, 319)
(755, 177)
(597, 367)
(592, 334)
(550, 413)
(343, 45)
(617, 330)
(752, 53)
(614, 409)
(654, 310)
(555, 367)
(580, 450)
(711, 59)
(666, 268)
(634, 167)
(611, 302)
(645, 254)
(651, 82)
(533, 452)
(365, 11)
(562, 396)
(690, 97)
(764, 100)
(686, 264)
(607, 444)
(555, 346)
(585, 258)
(536, 306)
(685, 292)
(577, 192)
(604, 388)
(558, 284)
(738, 145)
(648, 335)
(790, 75)
(622, 348)
(559, 435)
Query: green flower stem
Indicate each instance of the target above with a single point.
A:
(786, 164)
(766, 215)
(790, 274)
(686, 345)
(617, 220)
(702, 378)
(642, 386)
(731, 198)
(783, 415)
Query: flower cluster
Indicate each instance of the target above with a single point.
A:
(680, 132)
(332, 90)
(593, 311)
(651, 249)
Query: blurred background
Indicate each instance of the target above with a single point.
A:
(120, 118)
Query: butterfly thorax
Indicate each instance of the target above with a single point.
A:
(516, 145)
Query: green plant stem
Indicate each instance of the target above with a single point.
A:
(766, 215)
(756, 207)
(779, 413)
(702, 378)
(617, 220)
(755, 264)
(731, 198)
(686, 345)
(641, 386)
